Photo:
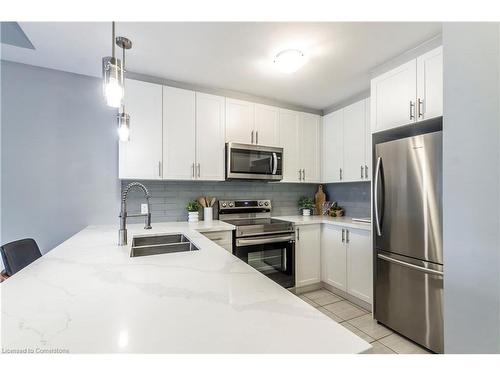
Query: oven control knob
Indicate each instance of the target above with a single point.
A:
(224, 204)
(231, 204)
(261, 204)
(267, 203)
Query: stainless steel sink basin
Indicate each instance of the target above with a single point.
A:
(154, 245)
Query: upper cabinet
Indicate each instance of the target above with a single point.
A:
(175, 134)
(141, 157)
(409, 93)
(252, 123)
(347, 144)
(289, 128)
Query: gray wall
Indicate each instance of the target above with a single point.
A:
(471, 187)
(169, 198)
(354, 197)
(58, 156)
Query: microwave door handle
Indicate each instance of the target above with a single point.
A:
(275, 163)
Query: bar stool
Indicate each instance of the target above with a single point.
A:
(18, 254)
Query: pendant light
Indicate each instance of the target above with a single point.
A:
(112, 75)
(123, 117)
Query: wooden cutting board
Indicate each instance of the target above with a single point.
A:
(319, 199)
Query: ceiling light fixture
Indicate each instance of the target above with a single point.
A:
(289, 60)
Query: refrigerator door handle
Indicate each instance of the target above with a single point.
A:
(409, 265)
(375, 199)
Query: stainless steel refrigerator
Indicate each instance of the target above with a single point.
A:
(408, 241)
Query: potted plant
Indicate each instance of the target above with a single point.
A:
(193, 208)
(306, 204)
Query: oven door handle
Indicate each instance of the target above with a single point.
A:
(260, 241)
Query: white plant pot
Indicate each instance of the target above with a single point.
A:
(208, 213)
(306, 212)
(193, 217)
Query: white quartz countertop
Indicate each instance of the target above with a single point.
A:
(319, 219)
(89, 295)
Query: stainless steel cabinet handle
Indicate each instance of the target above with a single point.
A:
(412, 110)
(300, 174)
(340, 173)
(375, 198)
(420, 104)
(192, 170)
(199, 169)
(409, 265)
(343, 235)
(257, 137)
(366, 171)
(304, 174)
(347, 236)
(252, 136)
(298, 234)
(159, 169)
(361, 171)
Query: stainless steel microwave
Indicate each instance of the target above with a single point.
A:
(253, 162)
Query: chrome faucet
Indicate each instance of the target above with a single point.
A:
(122, 233)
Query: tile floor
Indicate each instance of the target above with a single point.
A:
(360, 322)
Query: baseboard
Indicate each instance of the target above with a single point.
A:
(347, 296)
(305, 289)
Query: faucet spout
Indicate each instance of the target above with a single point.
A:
(122, 233)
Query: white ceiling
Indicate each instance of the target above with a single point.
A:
(232, 56)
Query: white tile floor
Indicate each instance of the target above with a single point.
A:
(360, 322)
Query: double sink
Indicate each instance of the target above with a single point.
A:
(161, 244)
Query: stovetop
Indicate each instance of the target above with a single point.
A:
(260, 227)
(259, 221)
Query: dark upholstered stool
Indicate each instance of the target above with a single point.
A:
(18, 254)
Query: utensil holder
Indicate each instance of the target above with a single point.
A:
(208, 213)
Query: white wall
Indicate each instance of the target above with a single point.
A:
(471, 187)
(59, 155)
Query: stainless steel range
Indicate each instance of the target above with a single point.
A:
(267, 244)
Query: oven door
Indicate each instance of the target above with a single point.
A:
(271, 255)
(253, 162)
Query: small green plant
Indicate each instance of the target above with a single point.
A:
(193, 206)
(306, 203)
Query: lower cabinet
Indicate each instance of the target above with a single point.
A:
(222, 238)
(307, 254)
(346, 259)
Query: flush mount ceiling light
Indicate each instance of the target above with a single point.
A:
(289, 60)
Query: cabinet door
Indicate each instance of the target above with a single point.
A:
(310, 148)
(393, 97)
(368, 142)
(307, 255)
(178, 133)
(141, 156)
(239, 121)
(354, 142)
(430, 84)
(266, 125)
(333, 146)
(289, 139)
(210, 119)
(333, 257)
(359, 264)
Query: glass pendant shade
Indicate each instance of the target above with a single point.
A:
(112, 73)
(123, 127)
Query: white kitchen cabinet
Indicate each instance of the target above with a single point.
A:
(346, 139)
(368, 142)
(179, 131)
(346, 256)
(310, 147)
(430, 84)
(410, 93)
(393, 97)
(240, 119)
(210, 124)
(333, 257)
(141, 156)
(307, 254)
(289, 122)
(354, 142)
(222, 238)
(359, 264)
(266, 127)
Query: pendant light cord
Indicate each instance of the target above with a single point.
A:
(113, 38)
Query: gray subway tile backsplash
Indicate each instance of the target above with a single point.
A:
(169, 198)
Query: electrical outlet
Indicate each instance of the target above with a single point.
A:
(144, 208)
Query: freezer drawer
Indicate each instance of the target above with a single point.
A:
(409, 298)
